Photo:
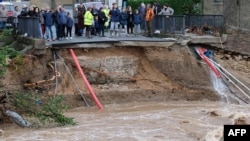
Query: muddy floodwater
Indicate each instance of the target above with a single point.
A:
(169, 121)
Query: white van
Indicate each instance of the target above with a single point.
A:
(9, 6)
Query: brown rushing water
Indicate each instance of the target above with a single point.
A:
(171, 121)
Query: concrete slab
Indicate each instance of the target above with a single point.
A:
(102, 42)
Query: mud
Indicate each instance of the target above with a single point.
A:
(156, 121)
(161, 74)
(165, 93)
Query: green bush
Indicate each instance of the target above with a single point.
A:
(45, 108)
(180, 7)
(5, 53)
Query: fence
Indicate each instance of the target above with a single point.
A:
(29, 26)
(169, 24)
(166, 24)
(214, 21)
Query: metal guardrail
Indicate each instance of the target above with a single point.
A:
(214, 21)
(169, 24)
(173, 24)
(29, 26)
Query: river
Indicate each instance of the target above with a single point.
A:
(171, 121)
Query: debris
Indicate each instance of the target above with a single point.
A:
(17, 118)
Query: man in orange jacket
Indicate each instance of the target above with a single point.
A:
(149, 20)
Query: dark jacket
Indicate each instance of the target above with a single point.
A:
(94, 12)
(96, 23)
(130, 17)
(142, 12)
(102, 18)
(124, 18)
(62, 17)
(70, 22)
(137, 18)
(24, 11)
(80, 20)
(115, 15)
(48, 18)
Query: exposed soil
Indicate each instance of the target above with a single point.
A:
(163, 74)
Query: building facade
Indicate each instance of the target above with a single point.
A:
(236, 12)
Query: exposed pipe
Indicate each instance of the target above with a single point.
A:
(230, 81)
(230, 75)
(200, 51)
(91, 91)
(74, 81)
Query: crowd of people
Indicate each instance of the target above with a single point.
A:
(88, 22)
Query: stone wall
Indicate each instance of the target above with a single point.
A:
(236, 12)
(212, 8)
(109, 68)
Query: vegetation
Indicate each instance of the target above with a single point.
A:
(5, 53)
(6, 32)
(46, 109)
(180, 7)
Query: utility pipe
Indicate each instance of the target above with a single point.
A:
(91, 91)
(201, 53)
(230, 75)
(74, 81)
(230, 81)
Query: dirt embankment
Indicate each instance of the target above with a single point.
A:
(119, 74)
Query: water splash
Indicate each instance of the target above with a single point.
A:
(220, 87)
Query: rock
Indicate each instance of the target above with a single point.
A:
(17, 118)
(238, 58)
(245, 57)
(227, 56)
(1, 132)
(184, 42)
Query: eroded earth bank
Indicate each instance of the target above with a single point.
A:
(150, 91)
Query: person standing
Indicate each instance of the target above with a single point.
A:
(101, 20)
(80, 24)
(130, 19)
(3, 16)
(37, 13)
(142, 12)
(88, 22)
(115, 14)
(106, 11)
(70, 23)
(49, 23)
(16, 13)
(96, 29)
(137, 22)
(166, 10)
(157, 7)
(24, 11)
(149, 20)
(76, 21)
(62, 22)
(123, 21)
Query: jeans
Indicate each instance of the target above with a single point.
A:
(137, 29)
(49, 32)
(2, 24)
(114, 26)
